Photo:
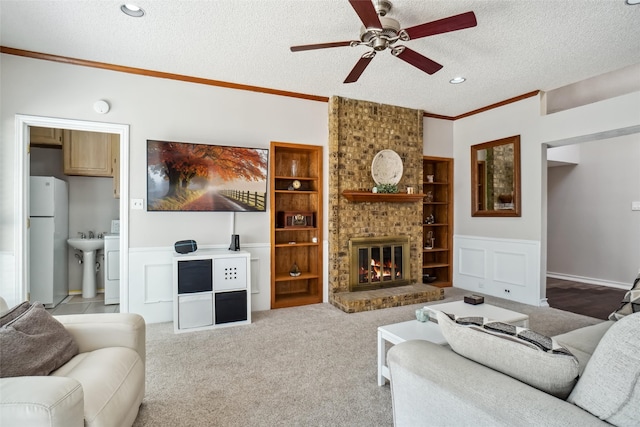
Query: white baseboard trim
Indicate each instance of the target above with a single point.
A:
(589, 280)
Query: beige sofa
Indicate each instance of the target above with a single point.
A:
(103, 385)
(432, 385)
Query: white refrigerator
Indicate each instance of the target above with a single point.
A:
(48, 233)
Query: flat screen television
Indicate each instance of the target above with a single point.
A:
(201, 177)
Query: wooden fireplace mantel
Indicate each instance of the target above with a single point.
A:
(368, 196)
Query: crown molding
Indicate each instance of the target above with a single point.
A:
(219, 83)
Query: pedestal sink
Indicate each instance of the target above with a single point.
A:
(88, 248)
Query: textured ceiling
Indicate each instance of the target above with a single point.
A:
(518, 46)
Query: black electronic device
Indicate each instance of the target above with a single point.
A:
(235, 242)
(185, 246)
(474, 299)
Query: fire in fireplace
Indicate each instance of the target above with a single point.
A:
(378, 262)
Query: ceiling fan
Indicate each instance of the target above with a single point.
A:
(380, 32)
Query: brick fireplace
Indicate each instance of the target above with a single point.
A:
(358, 130)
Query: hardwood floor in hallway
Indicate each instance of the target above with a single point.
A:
(583, 298)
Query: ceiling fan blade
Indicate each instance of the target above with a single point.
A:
(367, 13)
(319, 46)
(361, 65)
(452, 23)
(417, 60)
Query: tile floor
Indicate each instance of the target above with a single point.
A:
(75, 304)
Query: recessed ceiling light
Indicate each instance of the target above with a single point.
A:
(458, 80)
(632, 2)
(132, 10)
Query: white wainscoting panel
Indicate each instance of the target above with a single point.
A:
(510, 268)
(255, 275)
(156, 287)
(472, 262)
(260, 276)
(151, 283)
(151, 280)
(503, 268)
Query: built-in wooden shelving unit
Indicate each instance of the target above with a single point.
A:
(296, 224)
(437, 220)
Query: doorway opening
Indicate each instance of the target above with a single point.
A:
(21, 210)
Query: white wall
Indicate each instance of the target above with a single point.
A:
(155, 109)
(603, 122)
(438, 137)
(598, 88)
(521, 118)
(605, 119)
(492, 236)
(564, 155)
(599, 121)
(593, 235)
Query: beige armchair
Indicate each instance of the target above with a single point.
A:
(103, 385)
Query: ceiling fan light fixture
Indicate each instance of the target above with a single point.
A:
(389, 31)
(132, 10)
(379, 32)
(457, 80)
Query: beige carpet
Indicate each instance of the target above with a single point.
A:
(303, 366)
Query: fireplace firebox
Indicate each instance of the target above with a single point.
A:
(378, 262)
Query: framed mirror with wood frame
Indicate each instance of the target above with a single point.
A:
(495, 178)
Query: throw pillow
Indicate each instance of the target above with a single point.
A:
(523, 354)
(610, 384)
(15, 312)
(630, 303)
(32, 342)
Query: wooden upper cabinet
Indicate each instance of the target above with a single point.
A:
(87, 153)
(46, 136)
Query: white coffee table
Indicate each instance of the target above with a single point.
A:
(430, 331)
(461, 308)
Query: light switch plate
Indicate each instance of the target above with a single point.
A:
(635, 206)
(115, 226)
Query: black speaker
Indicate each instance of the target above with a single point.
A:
(185, 246)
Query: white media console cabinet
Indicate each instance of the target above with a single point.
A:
(212, 289)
